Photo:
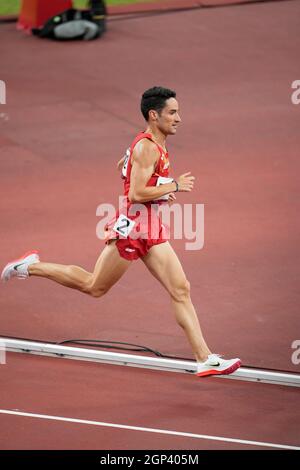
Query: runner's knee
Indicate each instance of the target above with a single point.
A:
(181, 291)
(96, 291)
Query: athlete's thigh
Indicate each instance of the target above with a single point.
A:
(109, 267)
(163, 263)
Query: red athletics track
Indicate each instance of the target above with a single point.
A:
(72, 110)
(139, 398)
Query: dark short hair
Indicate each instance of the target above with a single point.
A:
(155, 98)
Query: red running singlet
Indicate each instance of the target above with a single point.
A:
(138, 227)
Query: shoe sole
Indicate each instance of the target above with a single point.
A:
(227, 371)
(8, 265)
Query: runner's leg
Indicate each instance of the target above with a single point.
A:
(108, 270)
(165, 266)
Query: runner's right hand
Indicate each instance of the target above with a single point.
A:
(185, 182)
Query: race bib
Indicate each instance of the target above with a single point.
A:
(125, 164)
(123, 225)
(163, 180)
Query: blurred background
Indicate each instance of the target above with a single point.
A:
(72, 109)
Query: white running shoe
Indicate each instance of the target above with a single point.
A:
(18, 267)
(215, 365)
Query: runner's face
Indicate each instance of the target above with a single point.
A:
(169, 118)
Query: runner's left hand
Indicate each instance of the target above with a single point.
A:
(171, 199)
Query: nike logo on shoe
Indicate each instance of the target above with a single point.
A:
(17, 265)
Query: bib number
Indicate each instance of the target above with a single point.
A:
(125, 164)
(123, 225)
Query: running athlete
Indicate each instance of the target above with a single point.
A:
(144, 167)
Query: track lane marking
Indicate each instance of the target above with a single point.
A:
(151, 430)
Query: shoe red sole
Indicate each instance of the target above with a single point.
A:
(227, 371)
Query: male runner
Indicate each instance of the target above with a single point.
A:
(146, 161)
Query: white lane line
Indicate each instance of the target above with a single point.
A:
(157, 431)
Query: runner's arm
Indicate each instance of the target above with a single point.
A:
(144, 159)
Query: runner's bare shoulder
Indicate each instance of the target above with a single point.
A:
(145, 153)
